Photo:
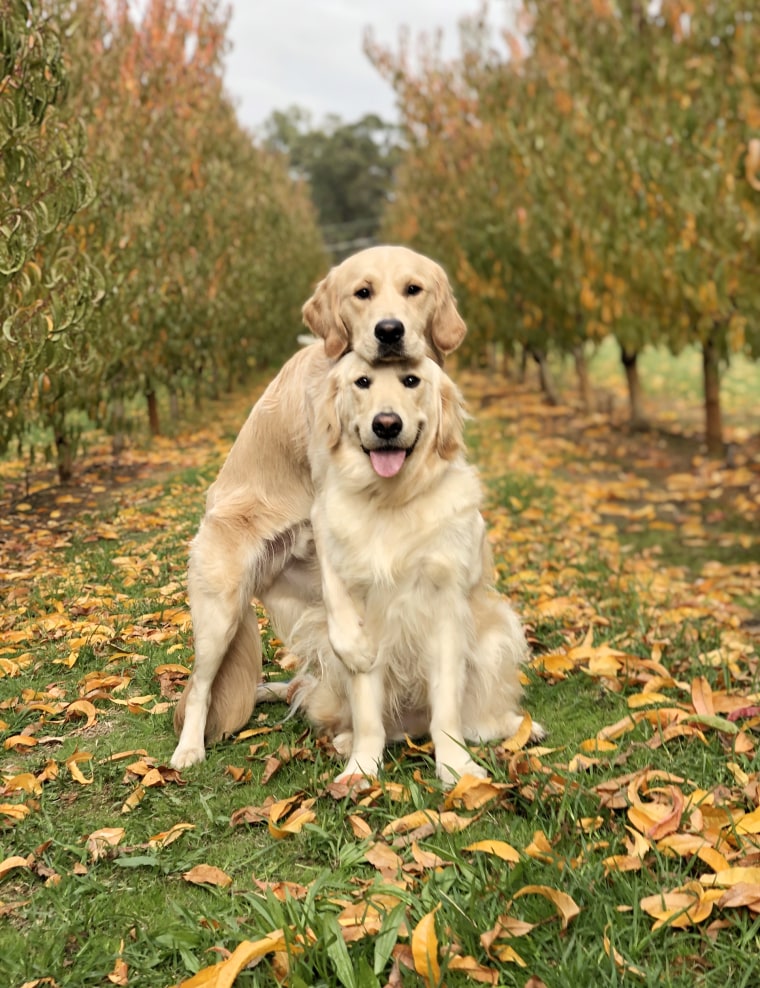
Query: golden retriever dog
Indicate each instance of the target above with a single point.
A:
(409, 638)
(386, 304)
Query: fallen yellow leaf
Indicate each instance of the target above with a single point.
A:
(425, 950)
(11, 863)
(499, 848)
(566, 905)
(223, 975)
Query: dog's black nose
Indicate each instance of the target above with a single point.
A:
(387, 425)
(389, 332)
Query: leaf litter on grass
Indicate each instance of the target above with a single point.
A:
(637, 575)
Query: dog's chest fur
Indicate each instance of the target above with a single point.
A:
(434, 538)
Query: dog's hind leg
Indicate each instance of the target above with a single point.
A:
(220, 695)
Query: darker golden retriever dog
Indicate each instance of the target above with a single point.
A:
(409, 638)
(385, 304)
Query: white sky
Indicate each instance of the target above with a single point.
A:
(309, 52)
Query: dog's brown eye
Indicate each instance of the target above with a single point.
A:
(363, 383)
(413, 289)
(362, 293)
(410, 381)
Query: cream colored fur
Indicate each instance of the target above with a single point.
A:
(410, 639)
(255, 538)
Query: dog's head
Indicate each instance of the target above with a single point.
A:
(386, 303)
(391, 418)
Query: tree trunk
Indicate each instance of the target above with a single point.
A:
(588, 398)
(713, 416)
(64, 455)
(117, 426)
(523, 365)
(544, 377)
(153, 419)
(635, 395)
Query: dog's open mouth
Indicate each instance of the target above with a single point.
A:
(387, 461)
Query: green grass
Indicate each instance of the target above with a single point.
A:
(106, 577)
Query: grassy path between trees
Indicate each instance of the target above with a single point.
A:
(625, 850)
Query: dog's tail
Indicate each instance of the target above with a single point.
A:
(233, 694)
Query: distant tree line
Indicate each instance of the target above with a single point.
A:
(349, 168)
(145, 241)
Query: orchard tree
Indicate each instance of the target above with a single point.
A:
(672, 99)
(147, 242)
(48, 285)
(603, 180)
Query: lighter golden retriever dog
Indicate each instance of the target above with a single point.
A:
(386, 304)
(409, 638)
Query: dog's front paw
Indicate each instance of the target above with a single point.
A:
(352, 648)
(359, 771)
(185, 756)
(449, 773)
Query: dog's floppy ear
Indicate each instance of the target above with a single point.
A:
(321, 314)
(447, 328)
(329, 410)
(450, 436)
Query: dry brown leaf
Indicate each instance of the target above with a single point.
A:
(100, 840)
(281, 826)
(169, 836)
(120, 973)
(360, 827)
(448, 821)
(474, 970)
(204, 874)
(683, 907)
(743, 894)
(384, 858)
(282, 890)
(702, 697)
(426, 859)
(472, 793)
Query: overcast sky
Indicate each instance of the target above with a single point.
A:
(309, 52)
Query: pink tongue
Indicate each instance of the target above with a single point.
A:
(387, 462)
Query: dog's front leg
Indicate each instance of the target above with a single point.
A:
(446, 691)
(367, 700)
(345, 626)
